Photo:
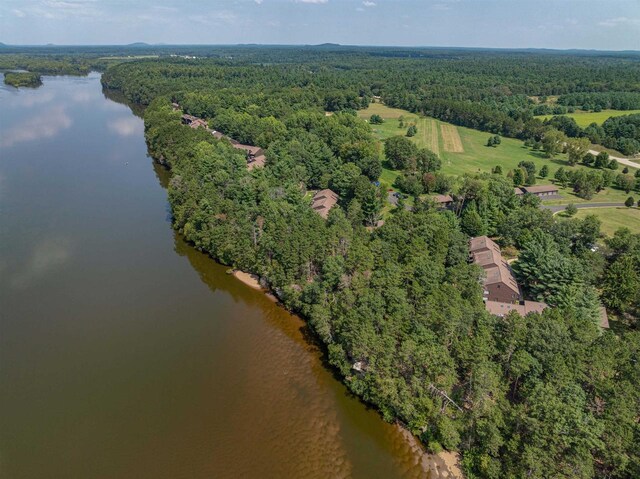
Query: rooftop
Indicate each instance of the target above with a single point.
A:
(442, 199)
(501, 309)
(480, 243)
(540, 189)
(323, 201)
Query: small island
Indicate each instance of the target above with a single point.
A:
(23, 79)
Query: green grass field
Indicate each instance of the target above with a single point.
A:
(476, 157)
(585, 118)
(614, 218)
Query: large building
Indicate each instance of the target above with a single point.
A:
(541, 191)
(501, 291)
(499, 284)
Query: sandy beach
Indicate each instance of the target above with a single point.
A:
(250, 280)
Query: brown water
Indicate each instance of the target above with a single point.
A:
(124, 353)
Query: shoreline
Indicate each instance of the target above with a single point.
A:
(249, 279)
(441, 465)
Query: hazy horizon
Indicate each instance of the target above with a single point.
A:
(545, 24)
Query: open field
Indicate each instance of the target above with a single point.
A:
(428, 129)
(614, 218)
(585, 118)
(476, 157)
(451, 138)
(384, 111)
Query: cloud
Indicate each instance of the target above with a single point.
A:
(48, 254)
(259, 2)
(46, 124)
(444, 5)
(620, 21)
(368, 3)
(127, 126)
(317, 2)
(59, 9)
(214, 18)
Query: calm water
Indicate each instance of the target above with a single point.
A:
(126, 354)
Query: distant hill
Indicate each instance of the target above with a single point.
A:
(138, 44)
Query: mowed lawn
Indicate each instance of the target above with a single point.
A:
(475, 156)
(585, 118)
(614, 218)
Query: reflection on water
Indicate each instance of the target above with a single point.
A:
(126, 353)
(45, 123)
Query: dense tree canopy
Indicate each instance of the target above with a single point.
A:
(547, 395)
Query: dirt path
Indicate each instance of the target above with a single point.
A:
(557, 208)
(451, 138)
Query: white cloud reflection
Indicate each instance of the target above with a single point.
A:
(126, 126)
(46, 255)
(43, 125)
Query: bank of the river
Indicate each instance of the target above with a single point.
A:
(444, 464)
(140, 356)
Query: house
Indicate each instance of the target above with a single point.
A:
(323, 201)
(541, 191)
(187, 119)
(502, 309)
(501, 290)
(255, 154)
(175, 106)
(443, 201)
(197, 123)
(499, 284)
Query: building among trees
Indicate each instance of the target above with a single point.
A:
(501, 291)
(323, 201)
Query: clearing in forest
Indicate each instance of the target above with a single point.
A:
(451, 138)
(429, 129)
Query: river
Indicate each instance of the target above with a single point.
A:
(125, 353)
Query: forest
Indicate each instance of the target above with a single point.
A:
(18, 79)
(547, 395)
(497, 93)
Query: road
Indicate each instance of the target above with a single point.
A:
(622, 161)
(557, 208)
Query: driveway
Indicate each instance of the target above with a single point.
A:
(558, 208)
(622, 161)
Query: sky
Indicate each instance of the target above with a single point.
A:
(560, 24)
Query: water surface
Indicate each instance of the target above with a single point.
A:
(124, 352)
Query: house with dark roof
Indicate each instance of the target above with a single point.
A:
(499, 284)
(541, 191)
(323, 201)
